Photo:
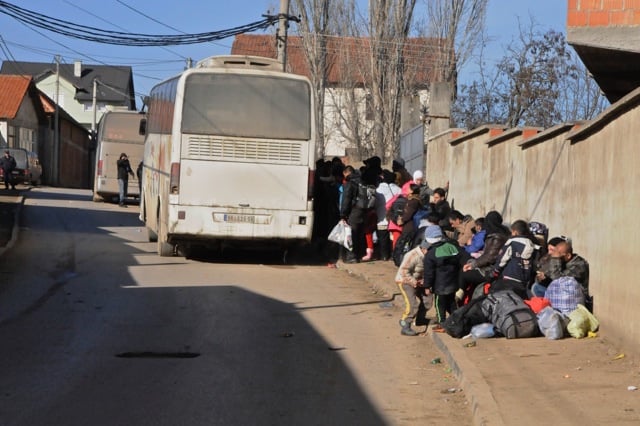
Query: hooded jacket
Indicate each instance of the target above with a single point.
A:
(516, 260)
(442, 265)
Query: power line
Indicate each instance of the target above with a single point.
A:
(84, 32)
(117, 26)
(157, 21)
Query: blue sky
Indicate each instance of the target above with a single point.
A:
(152, 64)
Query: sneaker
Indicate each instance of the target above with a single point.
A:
(408, 332)
(437, 329)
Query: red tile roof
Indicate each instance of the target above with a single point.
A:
(13, 89)
(344, 55)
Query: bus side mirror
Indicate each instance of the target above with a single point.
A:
(142, 130)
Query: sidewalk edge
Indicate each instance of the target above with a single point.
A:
(484, 408)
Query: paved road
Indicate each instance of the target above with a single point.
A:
(99, 330)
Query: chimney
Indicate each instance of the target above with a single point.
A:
(77, 69)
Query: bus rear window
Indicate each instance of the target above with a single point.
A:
(247, 106)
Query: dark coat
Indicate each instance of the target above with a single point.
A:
(493, 243)
(442, 265)
(124, 169)
(7, 164)
(348, 209)
(413, 205)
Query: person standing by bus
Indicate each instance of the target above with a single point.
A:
(124, 170)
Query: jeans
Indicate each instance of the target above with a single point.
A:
(538, 290)
(122, 189)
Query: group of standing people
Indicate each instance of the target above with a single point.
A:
(340, 193)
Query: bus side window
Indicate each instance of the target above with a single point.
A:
(143, 127)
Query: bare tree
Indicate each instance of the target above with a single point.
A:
(538, 82)
(314, 26)
(460, 25)
(389, 25)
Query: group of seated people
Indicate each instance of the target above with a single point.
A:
(445, 258)
(473, 258)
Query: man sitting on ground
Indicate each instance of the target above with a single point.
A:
(565, 263)
(462, 227)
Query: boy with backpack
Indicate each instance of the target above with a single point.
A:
(442, 265)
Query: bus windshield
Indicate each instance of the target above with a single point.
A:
(247, 106)
(122, 127)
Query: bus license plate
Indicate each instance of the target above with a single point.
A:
(242, 218)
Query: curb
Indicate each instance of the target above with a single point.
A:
(484, 409)
(378, 286)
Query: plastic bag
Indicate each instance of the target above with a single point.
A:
(341, 234)
(582, 322)
(483, 331)
(552, 323)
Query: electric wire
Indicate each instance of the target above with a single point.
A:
(88, 33)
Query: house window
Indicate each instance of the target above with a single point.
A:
(100, 107)
(11, 136)
(26, 139)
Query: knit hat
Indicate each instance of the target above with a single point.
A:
(417, 175)
(493, 224)
(433, 234)
(397, 164)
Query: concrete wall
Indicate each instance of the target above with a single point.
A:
(578, 178)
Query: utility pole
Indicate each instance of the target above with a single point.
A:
(93, 108)
(56, 128)
(283, 25)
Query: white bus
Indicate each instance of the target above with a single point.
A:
(229, 157)
(118, 132)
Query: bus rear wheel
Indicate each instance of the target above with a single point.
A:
(165, 249)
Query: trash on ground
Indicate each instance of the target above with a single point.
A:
(632, 388)
(288, 334)
(386, 305)
(618, 357)
(471, 344)
(436, 361)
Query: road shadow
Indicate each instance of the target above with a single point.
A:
(248, 360)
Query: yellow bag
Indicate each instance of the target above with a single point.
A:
(582, 322)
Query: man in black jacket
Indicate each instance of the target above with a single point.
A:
(124, 170)
(352, 213)
(7, 164)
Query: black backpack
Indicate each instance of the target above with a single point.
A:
(510, 315)
(366, 198)
(405, 243)
(460, 322)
